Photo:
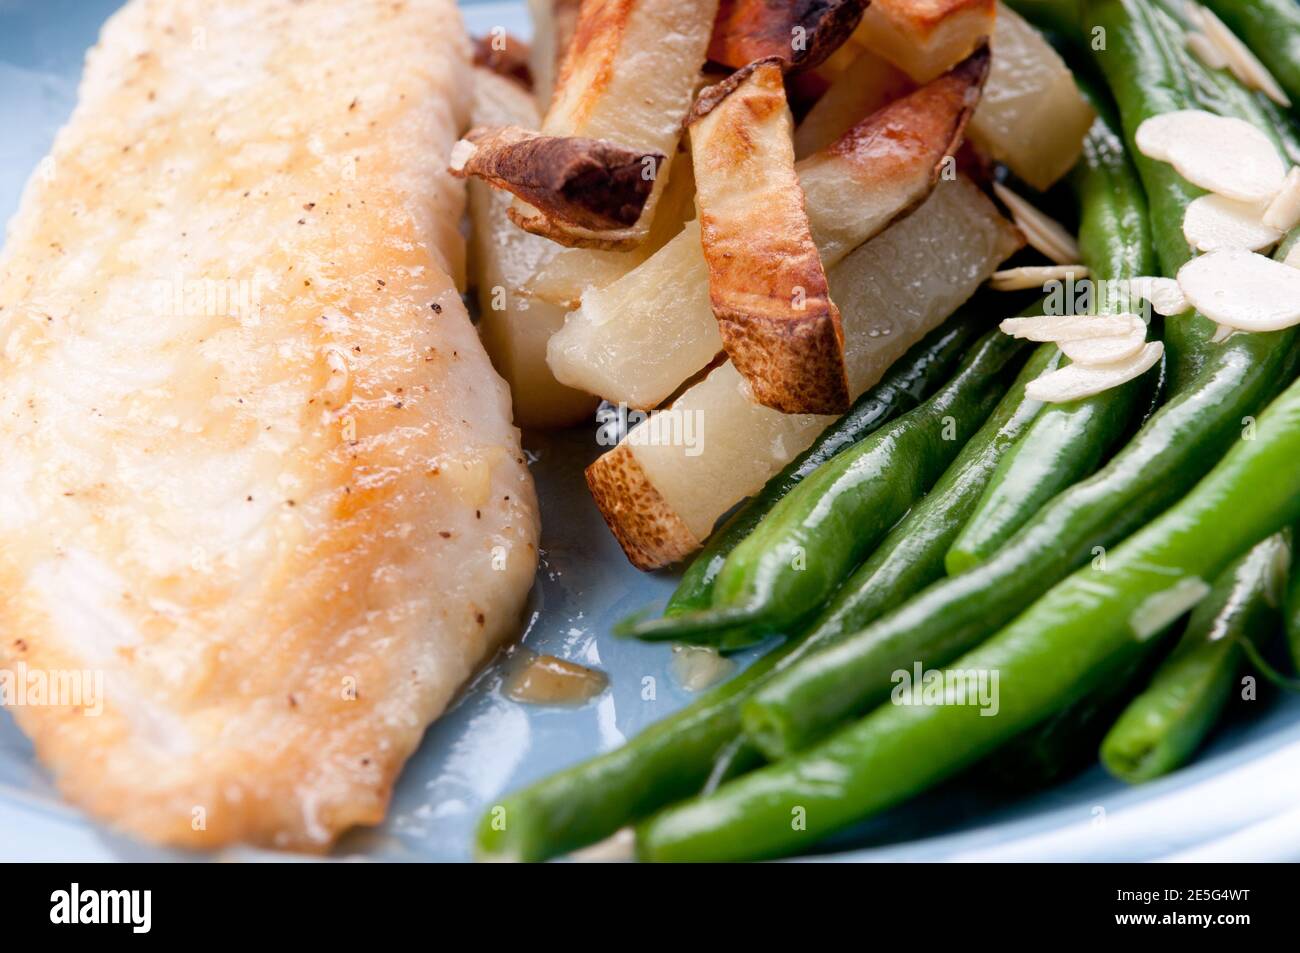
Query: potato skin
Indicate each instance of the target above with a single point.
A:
(749, 30)
(767, 285)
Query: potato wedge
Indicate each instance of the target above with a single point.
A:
(1033, 116)
(506, 56)
(886, 164)
(637, 339)
(554, 22)
(866, 84)
(629, 77)
(570, 272)
(767, 286)
(585, 183)
(514, 328)
(894, 290)
(925, 37)
(801, 33)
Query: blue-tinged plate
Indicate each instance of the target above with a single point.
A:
(1239, 801)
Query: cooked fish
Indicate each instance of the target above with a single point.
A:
(258, 472)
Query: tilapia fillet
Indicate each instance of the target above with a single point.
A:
(257, 470)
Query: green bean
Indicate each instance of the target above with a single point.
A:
(1293, 605)
(911, 556)
(1070, 441)
(802, 550)
(1050, 657)
(1162, 728)
(1058, 16)
(913, 379)
(1215, 388)
(1067, 741)
(1271, 28)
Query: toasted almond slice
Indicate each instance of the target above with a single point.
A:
(1244, 64)
(586, 183)
(1214, 222)
(1081, 327)
(1165, 294)
(1224, 155)
(1242, 290)
(1284, 211)
(1022, 279)
(1157, 137)
(1080, 381)
(1041, 231)
(1111, 350)
(1204, 49)
(801, 33)
(767, 285)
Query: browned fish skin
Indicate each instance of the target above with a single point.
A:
(258, 470)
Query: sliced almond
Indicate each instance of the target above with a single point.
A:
(1157, 137)
(1223, 155)
(1073, 327)
(1165, 294)
(1242, 290)
(1205, 50)
(1213, 222)
(1222, 333)
(1041, 230)
(1244, 64)
(1022, 279)
(1108, 350)
(1284, 211)
(1079, 381)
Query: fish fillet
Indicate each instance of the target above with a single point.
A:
(258, 473)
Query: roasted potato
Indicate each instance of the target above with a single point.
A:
(801, 33)
(637, 339)
(925, 37)
(662, 496)
(629, 77)
(585, 183)
(514, 328)
(767, 286)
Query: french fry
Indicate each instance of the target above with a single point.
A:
(506, 56)
(584, 183)
(767, 287)
(629, 77)
(802, 33)
(661, 497)
(1033, 116)
(637, 339)
(514, 328)
(863, 86)
(554, 23)
(568, 273)
(925, 37)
